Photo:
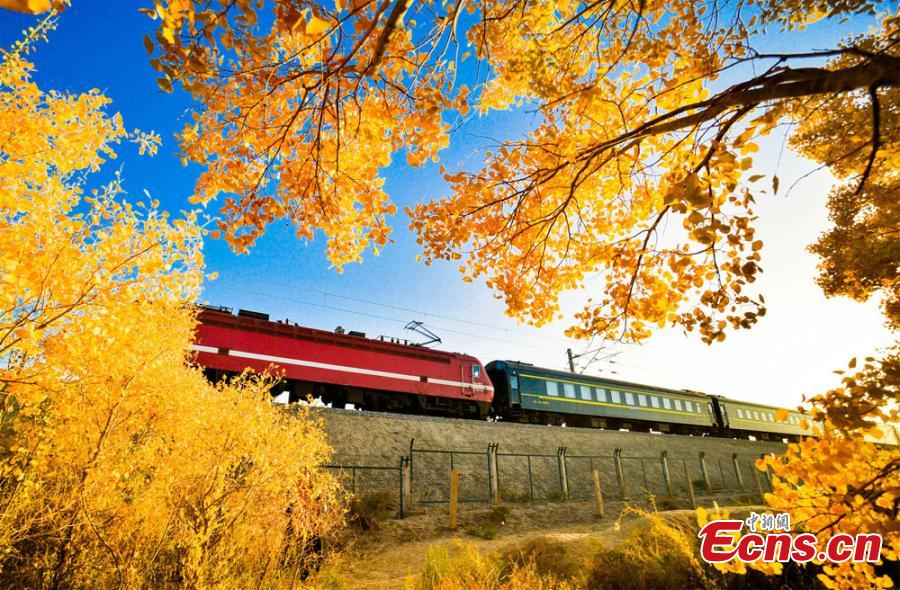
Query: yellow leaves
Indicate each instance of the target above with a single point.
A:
(28, 6)
(781, 415)
(315, 26)
(690, 189)
(347, 102)
(98, 299)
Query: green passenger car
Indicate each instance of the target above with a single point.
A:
(750, 418)
(527, 393)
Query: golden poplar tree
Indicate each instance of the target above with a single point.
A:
(120, 466)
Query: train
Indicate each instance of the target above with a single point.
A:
(393, 375)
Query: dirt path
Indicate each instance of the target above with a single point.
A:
(562, 538)
(391, 566)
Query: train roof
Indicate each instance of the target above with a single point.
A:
(258, 323)
(742, 402)
(578, 376)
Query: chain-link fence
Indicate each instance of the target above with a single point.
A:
(486, 475)
(371, 474)
(430, 474)
(524, 477)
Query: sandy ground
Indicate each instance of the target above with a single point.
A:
(389, 557)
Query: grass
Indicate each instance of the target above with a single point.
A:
(490, 521)
(499, 514)
(555, 496)
(484, 530)
(369, 510)
(516, 497)
(669, 503)
(463, 567)
(661, 555)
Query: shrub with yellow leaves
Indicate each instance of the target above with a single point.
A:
(120, 466)
(839, 482)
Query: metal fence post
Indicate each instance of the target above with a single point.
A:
(563, 476)
(737, 470)
(620, 474)
(664, 463)
(705, 473)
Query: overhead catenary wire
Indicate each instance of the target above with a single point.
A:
(654, 367)
(382, 317)
(418, 311)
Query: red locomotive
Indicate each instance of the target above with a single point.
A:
(390, 375)
(373, 374)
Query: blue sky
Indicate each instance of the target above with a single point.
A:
(99, 44)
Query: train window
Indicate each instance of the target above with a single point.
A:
(616, 396)
(553, 388)
(629, 398)
(740, 413)
(569, 389)
(513, 382)
(642, 399)
(476, 371)
(667, 403)
(585, 391)
(755, 415)
(678, 404)
(771, 417)
(654, 401)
